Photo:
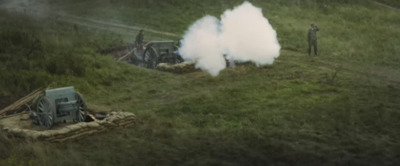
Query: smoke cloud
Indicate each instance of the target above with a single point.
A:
(202, 44)
(243, 34)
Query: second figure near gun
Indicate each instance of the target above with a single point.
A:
(312, 39)
(139, 42)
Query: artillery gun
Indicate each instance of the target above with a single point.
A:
(58, 105)
(156, 52)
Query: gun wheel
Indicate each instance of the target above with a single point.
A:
(150, 58)
(45, 112)
(81, 112)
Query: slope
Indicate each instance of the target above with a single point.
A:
(340, 108)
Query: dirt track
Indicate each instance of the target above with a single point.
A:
(41, 10)
(386, 6)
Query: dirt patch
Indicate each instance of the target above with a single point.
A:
(180, 68)
(15, 119)
(21, 126)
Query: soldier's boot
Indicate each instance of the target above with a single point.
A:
(315, 51)
(315, 48)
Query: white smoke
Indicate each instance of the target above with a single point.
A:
(243, 34)
(201, 44)
(248, 36)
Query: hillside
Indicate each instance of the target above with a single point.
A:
(339, 108)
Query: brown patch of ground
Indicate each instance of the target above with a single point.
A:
(21, 126)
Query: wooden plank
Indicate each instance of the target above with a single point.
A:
(21, 102)
(125, 56)
(93, 117)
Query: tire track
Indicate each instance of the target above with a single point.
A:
(87, 22)
(386, 6)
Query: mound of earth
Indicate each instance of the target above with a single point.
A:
(21, 126)
(184, 67)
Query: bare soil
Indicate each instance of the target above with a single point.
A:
(22, 121)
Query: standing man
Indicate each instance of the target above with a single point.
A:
(312, 39)
(139, 42)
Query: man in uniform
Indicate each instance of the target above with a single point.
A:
(139, 40)
(312, 39)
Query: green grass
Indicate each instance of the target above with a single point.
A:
(350, 30)
(340, 108)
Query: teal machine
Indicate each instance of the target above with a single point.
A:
(156, 52)
(59, 105)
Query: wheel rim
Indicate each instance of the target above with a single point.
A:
(45, 113)
(81, 113)
(150, 58)
(135, 57)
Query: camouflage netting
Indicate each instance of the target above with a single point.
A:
(74, 131)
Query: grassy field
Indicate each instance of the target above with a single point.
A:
(340, 108)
